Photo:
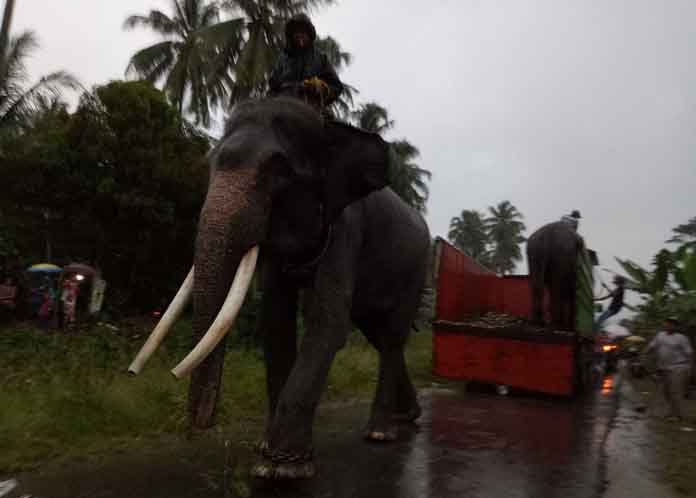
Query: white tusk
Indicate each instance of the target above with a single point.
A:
(174, 310)
(225, 318)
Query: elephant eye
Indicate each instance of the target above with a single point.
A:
(278, 164)
(275, 171)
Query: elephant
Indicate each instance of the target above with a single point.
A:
(552, 255)
(310, 198)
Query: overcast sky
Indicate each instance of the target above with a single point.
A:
(553, 105)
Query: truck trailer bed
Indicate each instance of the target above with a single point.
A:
(482, 331)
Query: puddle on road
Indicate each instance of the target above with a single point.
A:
(633, 470)
(7, 487)
(464, 445)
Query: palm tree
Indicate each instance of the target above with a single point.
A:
(505, 229)
(17, 103)
(407, 179)
(5, 32)
(209, 62)
(685, 233)
(372, 117)
(468, 232)
(194, 59)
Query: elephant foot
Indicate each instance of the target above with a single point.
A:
(283, 471)
(381, 433)
(278, 465)
(261, 447)
(408, 416)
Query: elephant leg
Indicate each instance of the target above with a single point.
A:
(381, 426)
(536, 283)
(557, 297)
(395, 398)
(277, 325)
(537, 302)
(407, 407)
(569, 307)
(564, 284)
(327, 324)
(289, 453)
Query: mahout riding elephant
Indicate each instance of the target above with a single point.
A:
(311, 196)
(552, 256)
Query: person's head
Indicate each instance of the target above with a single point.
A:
(620, 281)
(301, 39)
(670, 324)
(575, 214)
(300, 33)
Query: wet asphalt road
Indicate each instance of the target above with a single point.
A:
(472, 445)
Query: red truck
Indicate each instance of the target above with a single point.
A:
(482, 332)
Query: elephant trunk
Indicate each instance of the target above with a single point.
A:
(232, 223)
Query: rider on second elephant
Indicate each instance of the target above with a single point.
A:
(302, 70)
(572, 219)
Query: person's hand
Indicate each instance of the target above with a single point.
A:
(317, 85)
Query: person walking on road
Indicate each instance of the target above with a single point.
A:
(674, 356)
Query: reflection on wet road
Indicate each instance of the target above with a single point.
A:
(466, 444)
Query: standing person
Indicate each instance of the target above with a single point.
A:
(617, 300)
(8, 298)
(47, 303)
(674, 356)
(302, 70)
(68, 299)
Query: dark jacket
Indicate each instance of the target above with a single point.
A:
(617, 299)
(296, 65)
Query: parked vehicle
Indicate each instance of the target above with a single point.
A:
(41, 278)
(482, 332)
(82, 292)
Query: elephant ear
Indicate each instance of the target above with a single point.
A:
(357, 164)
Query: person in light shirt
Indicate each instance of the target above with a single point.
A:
(674, 359)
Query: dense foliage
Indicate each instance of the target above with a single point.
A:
(118, 184)
(19, 100)
(669, 287)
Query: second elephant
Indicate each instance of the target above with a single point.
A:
(552, 256)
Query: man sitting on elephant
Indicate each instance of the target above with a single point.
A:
(302, 70)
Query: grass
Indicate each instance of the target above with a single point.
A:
(67, 395)
(674, 450)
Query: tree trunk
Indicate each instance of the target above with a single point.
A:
(5, 37)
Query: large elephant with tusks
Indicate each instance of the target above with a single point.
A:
(311, 197)
(552, 256)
